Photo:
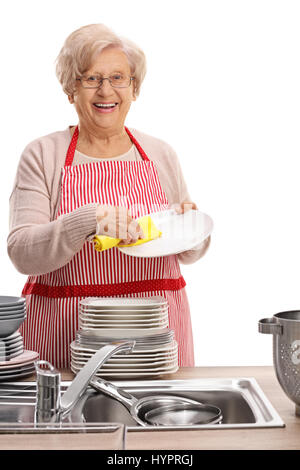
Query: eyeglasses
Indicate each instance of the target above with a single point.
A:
(116, 80)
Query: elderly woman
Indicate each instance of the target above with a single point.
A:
(96, 177)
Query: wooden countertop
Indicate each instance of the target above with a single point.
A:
(245, 439)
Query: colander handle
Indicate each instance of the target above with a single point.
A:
(269, 326)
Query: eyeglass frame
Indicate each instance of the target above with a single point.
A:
(101, 83)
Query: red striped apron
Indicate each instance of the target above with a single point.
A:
(52, 299)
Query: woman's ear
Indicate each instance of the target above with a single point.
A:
(71, 99)
(133, 95)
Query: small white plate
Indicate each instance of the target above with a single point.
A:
(129, 375)
(124, 324)
(122, 327)
(153, 352)
(4, 358)
(157, 366)
(124, 312)
(19, 375)
(10, 344)
(15, 369)
(180, 232)
(117, 333)
(114, 319)
(124, 303)
(130, 360)
(12, 348)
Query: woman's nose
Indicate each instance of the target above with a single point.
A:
(105, 88)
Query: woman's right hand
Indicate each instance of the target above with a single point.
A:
(116, 222)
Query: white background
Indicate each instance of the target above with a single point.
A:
(222, 88)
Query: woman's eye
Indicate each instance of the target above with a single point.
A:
(117, 76)
(92, 78)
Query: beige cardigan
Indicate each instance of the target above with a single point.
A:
(39, 243)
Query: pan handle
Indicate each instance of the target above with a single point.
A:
(115, 392)
(269, 326)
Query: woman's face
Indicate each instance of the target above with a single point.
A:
(93, 118)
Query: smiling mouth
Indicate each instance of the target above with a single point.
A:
(105, 105)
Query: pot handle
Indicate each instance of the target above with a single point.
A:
(269, 326)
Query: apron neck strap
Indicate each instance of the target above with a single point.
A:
(73, 143)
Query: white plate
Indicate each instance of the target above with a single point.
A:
(153, 352)
(123, 324)
(5, 358)
(122, 303)
(139, 347)
(24, 358)
(130, 360)
(166, 365)
(140, 321)
(112, 333)
(114, 317)
(11, 348)
(20, 375)
(124, 313)
(158, 366)
(121, 327)
(129, 375)
(163, 362)
(120, 333)
(15, 369)
(180, 232)
(11, 344)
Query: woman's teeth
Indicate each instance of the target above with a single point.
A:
(102, 105)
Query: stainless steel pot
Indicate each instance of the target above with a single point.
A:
(285, 327)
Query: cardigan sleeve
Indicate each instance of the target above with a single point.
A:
(36, 244)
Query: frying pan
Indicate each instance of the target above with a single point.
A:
(161, 410)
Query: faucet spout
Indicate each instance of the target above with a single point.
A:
(50, 404)
(82, 379)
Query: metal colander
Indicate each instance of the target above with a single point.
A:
(285, 327)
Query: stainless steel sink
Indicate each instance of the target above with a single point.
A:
(241, 400)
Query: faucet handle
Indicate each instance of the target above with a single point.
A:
(47, 387)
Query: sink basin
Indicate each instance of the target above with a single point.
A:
(241, 400)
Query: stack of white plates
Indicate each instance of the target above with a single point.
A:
(18, 367)
(119, 317)
(104, 320)
(152, 356)
(153, 361)
(12, 314)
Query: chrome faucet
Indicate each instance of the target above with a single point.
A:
(51, 406)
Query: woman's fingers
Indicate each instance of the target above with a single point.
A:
(135, 231)
(184, 207)
(117, 223)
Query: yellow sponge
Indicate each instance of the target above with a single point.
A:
(102, 242)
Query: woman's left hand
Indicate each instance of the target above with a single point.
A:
(184, 207)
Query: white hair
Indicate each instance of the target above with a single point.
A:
(84, 44)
